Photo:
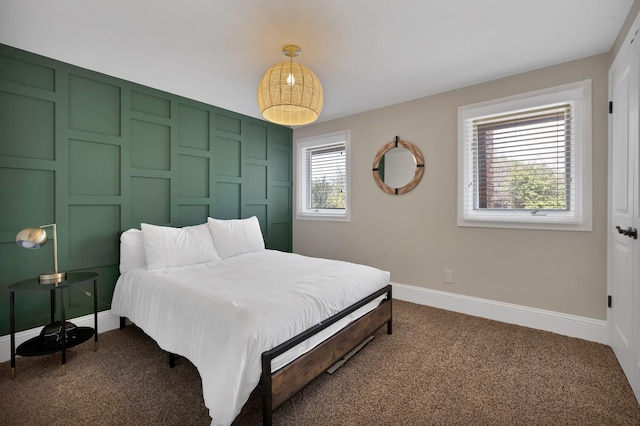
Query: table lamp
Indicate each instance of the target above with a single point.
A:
(34, 238)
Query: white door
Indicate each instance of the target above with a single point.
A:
(624, 214)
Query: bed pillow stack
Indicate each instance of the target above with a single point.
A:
(236, 236)
(157, 247)
(166, 246)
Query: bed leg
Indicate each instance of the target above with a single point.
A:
(123, 322)
(390, 322)
(266, 417)
(267, 402)
(172, 360)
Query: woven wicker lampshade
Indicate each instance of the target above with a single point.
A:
(289, 93)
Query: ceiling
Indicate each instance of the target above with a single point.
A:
(367, 53)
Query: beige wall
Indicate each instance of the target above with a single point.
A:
(415, 236)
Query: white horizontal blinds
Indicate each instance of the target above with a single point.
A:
(327, 169)
(524, 160)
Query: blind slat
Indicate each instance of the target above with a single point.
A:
(523, 160)
(326, 166)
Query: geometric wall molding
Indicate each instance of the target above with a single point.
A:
(97, 155)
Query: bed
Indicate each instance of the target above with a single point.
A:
(245, 315)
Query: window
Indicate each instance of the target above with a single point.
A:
(525, 161)
(323, 177)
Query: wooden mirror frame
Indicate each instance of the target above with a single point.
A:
(397, 143)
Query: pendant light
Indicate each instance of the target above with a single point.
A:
(290, 93)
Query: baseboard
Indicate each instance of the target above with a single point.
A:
(106, 321)
(556, 322)
(565, 324)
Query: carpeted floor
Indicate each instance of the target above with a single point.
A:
(438, 368)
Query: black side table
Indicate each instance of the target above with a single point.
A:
(36, 346)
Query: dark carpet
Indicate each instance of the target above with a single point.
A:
(437, 368)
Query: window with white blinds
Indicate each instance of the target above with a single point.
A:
(323, 177)
(525, 161)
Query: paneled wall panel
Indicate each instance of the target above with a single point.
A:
(90, 239)
(19, 136)
(94, 168)
(280, 175)
(150, 200)
(280, 165)
(194, 127)
(192, 213)
(227, 202)
(30, 191)
(150, 145)
(228, 124)
(27, 73)
(94, 106)
(142, 102)
(228, 157)
(256, 178)
(193, 176)
(280, 199)
(256, 141)
(280, 236)
(98, 155)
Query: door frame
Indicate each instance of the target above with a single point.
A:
(632, 36)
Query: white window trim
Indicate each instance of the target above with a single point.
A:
(580, 217)
(302, 213)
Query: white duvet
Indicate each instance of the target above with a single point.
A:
(223, 315)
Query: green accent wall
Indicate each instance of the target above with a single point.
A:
(97, 155)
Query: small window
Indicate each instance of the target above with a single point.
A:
(525, 161)
(323, 177)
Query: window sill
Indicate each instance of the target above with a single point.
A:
(530, 224)
(323, 217)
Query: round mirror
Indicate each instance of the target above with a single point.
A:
(398, 167)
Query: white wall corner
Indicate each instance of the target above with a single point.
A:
(106, 321)
(556, 322)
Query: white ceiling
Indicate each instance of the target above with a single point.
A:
(367, 53)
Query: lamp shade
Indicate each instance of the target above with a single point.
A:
(290, 93)
(34, 238)
(31, 238)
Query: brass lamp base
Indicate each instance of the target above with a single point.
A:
(52, 278)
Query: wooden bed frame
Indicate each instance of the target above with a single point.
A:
(278, 386)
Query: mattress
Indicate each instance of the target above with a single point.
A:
(222, 315)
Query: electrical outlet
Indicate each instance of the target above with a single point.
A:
(448, 276)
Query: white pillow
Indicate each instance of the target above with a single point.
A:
(132, 250)
(165, 246)
(236, 236)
